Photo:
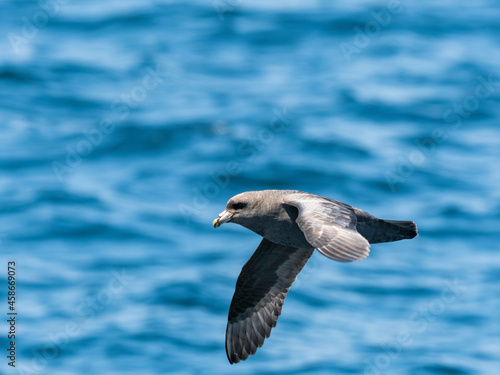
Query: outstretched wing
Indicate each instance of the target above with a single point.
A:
(260, 292)
(329, 226)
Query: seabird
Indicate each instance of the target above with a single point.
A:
(293, 224)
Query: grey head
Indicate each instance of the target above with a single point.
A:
(253, 209)
(265, 213)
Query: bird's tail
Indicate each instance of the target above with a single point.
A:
(394, 230)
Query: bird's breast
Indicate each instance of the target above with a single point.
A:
(286, 232)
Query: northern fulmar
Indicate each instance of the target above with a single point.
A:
(293, 224)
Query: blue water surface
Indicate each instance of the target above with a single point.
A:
(126, 126)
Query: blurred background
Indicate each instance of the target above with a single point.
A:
(126, 126)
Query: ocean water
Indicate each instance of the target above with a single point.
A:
(126, 126)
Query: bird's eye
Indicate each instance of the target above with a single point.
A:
(239, 206)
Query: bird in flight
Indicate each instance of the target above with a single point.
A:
(293, 224)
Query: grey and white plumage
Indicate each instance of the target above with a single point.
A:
(293, 224)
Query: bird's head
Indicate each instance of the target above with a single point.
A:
(239, 208)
